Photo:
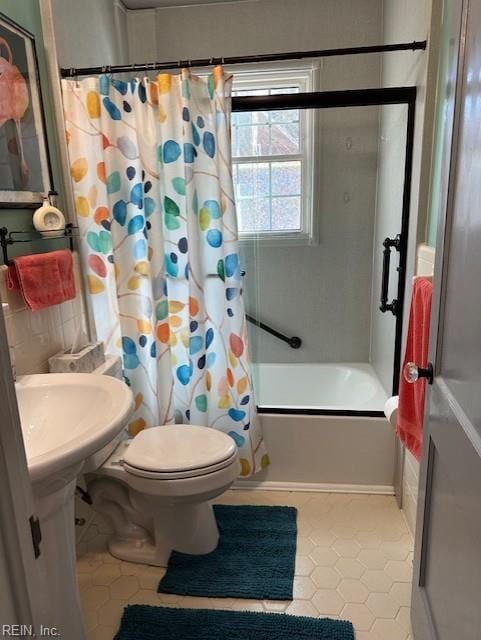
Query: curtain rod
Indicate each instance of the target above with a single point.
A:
(268, 57)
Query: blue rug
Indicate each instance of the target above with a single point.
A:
(142, 622)
(254, 559)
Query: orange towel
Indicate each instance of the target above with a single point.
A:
(411, 396)
(44, 279)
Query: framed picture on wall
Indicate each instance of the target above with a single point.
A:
(25, 174)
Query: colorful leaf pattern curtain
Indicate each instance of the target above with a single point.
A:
(151, 173)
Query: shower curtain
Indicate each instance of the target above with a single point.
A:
(151, 171)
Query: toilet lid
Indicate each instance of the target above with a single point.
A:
(177, 448)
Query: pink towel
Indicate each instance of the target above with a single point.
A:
(410, 415)
(44, 279)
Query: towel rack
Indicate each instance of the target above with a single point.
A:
(9, 237)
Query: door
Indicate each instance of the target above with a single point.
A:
(447, 572)
(23, 581)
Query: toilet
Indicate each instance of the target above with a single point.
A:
(155, 489)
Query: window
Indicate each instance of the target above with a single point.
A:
(272, 153)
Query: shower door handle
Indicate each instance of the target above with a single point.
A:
(386, 263)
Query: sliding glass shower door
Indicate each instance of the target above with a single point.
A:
(323, 213)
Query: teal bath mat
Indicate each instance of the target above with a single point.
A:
(255, 557)
(142, 622)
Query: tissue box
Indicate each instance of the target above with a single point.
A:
(84, 361)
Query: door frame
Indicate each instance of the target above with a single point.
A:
(449, 88)
(22, 571)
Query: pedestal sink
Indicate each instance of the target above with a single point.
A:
(66, 419)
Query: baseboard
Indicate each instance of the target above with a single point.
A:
(318, 487)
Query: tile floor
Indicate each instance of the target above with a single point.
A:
(354, 561)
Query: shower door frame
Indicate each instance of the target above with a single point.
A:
(354, 98)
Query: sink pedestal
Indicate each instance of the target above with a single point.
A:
(54, 503)
(67, 419)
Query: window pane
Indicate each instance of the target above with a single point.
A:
(254, 214)
(286, 214)
(241, 117)
(252, 180)
(289, 115)
(285, 138)
(251, 92)
(286, 178)
(251, 140)
(284, 90)
(250, 117)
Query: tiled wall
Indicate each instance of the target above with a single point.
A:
(38, 335)
(425, 267)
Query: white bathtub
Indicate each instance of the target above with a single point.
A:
(323, 429)
(349, 387)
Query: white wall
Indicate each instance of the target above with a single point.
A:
(403, 21)
(258, 26)
(320, 293)
(90, 32)
(36, 336)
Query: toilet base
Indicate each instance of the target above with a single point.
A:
(187, 528)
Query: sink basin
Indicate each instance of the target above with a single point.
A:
(67, 420)
(67, 417)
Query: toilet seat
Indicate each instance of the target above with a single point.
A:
(178, 451)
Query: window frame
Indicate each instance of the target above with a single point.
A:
(306, 78)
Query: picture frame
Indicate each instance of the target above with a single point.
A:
(25, 170)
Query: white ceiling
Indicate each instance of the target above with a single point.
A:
(149, 4)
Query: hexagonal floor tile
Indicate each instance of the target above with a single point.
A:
(304, 566)
(368, 540)
(322, 537)
(360, 616)
(382, 605)
(403, 619)
(353, 591)
(105, 574)
(304, 589)
(274, 605)
(304, 545)
(385, 628)
(110, 613)
(401, 592)
(302, 608)
(399, 571)
(124, 587)
(376, 580)
(346, 548)
(324, 556)
(372, 558)
(94, 598)
(325, 577)
(349, 568)
(103, 633)
(328, 602)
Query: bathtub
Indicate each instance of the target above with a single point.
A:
(324, 429)
(326, 387)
